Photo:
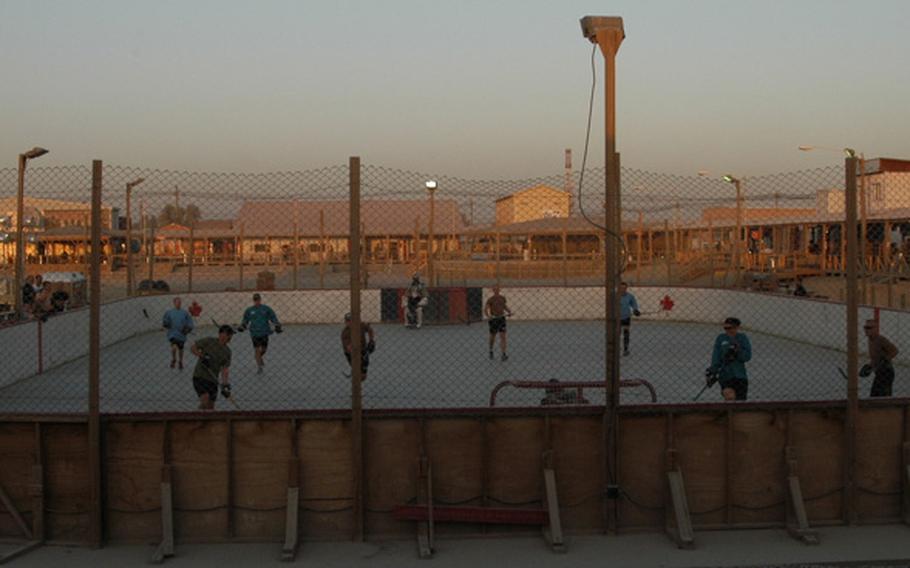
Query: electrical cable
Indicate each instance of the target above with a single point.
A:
(584, 162)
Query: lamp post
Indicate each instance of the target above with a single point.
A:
(431, 186)
(20, 213)
(738, 246)
(129, 235)
(608, 33)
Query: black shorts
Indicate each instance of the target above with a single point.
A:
(260, 341)
(205, 386)
(883, 381)
(177, 342)
(740, 386)
(364, 361)
(497, 325)
(627, 322)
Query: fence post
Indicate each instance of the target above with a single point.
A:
(356, 347)
(239, 256)
(852, 307)
(296, 253)
(322, 249)
(94, 371)
(191, 257)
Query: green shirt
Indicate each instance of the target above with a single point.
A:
(220, 358)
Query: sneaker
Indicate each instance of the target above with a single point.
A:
(180, 365)
(491, 355)
(258, 369)
(505, 357)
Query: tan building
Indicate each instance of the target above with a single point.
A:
(539, 202)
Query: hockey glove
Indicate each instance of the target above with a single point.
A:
(226, 390)
(371, 346)
(637, 313)
(711, 376)
(241, 328)
(278, 328)
(865, 370)
(186, 330)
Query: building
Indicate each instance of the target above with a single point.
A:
(539, 202)
(887, 188)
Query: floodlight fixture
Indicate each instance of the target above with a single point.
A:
(34, 153)
(703, 173)
(591, 25)
(431, 185)
(848, 152)
(134, 183)
(730, 178)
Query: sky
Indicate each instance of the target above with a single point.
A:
(475, 89)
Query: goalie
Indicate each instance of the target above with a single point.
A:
(415, 299)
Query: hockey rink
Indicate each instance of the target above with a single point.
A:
(435, 367)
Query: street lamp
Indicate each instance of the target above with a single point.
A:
(431, 186)
(20, 213)
(129, 235)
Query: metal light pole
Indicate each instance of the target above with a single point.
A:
(608, 34)
(20, 213)
(738, 246)
(431, 188)
(129, 235)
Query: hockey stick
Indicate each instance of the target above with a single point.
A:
(217, 383)
(703, 389)
(145, 313)
(843, 373)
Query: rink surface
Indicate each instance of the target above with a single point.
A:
(438, 366)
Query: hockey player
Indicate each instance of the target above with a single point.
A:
(367, 344)
(628, 305)
(214, 358)
(496, 311)
(416, 298)
(881, 353)
(732, 350)
(259, 318)
(178, 324)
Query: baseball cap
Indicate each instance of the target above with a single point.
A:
(347, 316)
(256, 296)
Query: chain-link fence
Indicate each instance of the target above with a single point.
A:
(767, 251)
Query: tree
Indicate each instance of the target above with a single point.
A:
(185, 216)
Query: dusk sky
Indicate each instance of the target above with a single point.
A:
(476, 89)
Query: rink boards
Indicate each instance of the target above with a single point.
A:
(230, 472)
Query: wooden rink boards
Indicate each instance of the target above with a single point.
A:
(229, 471)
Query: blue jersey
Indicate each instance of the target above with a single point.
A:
(627, 303)
(178, 323)
(257, 318)
(734, 368)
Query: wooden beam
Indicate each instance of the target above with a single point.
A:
(17, 552)
(553, 531)
(797, 519)
(166, 548)
(14, 512)
(425, 528)
(679, 525)
(37, 489)
(292, 516)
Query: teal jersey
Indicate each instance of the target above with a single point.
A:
(734, 368)
(258, 318)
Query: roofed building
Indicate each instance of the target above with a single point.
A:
(538, 202)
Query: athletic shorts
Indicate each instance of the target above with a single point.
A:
(883, 381)
(497, 325)
(260, 341)
(627, 322)
(205, 386)
(740, 386)
(177, 342)
(364, 361)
